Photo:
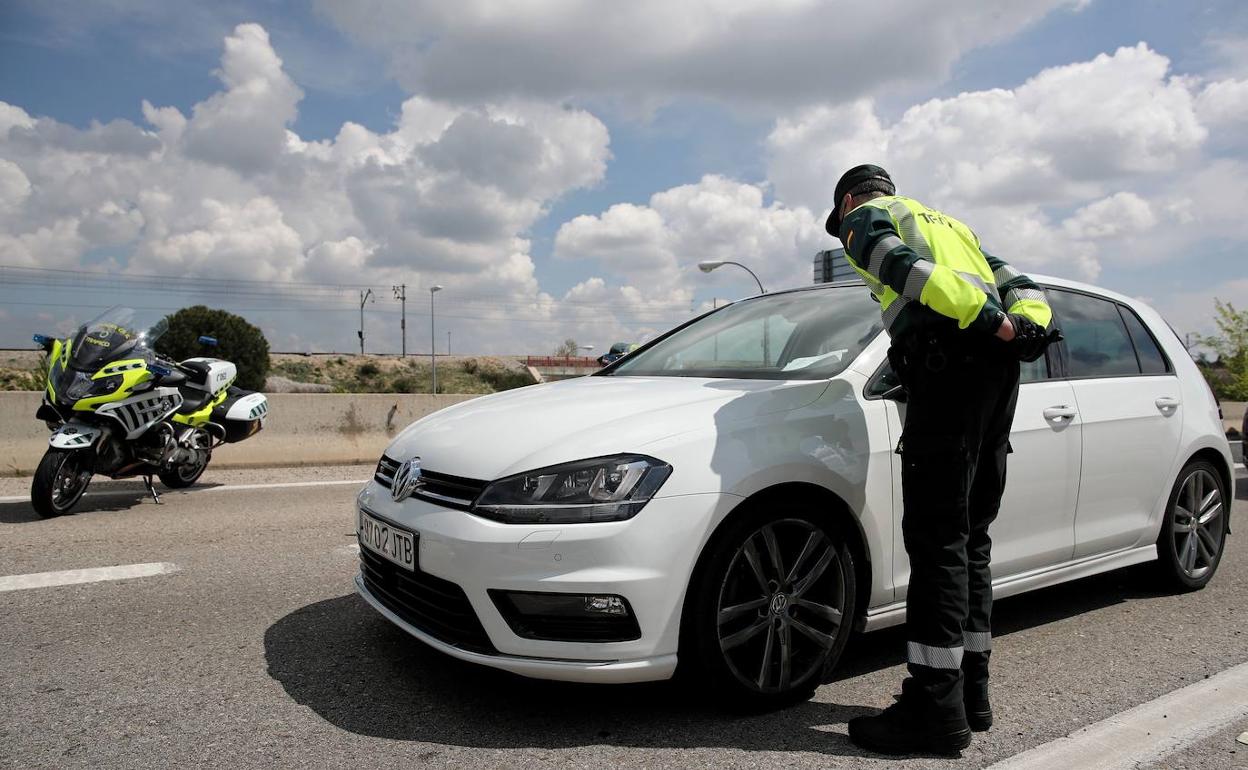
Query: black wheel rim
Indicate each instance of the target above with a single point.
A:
(69, 482)
(781, 605)
(1198, 524)
(188, 472)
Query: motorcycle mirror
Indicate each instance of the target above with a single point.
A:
(44, 342)
(209, 341)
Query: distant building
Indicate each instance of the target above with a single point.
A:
(831, 266)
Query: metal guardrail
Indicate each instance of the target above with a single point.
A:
(583, 361)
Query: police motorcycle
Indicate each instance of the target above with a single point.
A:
(117, 409)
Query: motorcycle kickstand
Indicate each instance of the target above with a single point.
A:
(151, 488)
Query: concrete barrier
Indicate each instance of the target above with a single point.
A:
(1233, 414)
(301, 429)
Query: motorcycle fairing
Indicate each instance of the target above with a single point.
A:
(74, 435)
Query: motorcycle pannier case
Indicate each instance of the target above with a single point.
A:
(241, 414)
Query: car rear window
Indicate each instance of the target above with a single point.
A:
(1105, 338)
(1152, 360)
(1096, 337)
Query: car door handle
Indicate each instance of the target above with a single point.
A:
(1060, 413)
(1167, 404)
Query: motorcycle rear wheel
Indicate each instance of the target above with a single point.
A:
(60, 481)
(183, 475)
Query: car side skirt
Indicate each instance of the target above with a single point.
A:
(895, 614)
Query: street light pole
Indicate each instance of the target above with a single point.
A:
(433, 359)
(400, 293)
(365, 296)
(707, 265)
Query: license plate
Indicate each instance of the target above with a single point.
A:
(389, 542)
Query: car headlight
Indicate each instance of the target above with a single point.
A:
(601, 489)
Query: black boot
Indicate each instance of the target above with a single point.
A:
(975, 691)
(909, 727)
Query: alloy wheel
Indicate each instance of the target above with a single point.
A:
(1198, 524)
(70, 482)
(781, 604)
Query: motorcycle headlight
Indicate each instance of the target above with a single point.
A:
(82, 386)
(601, 489)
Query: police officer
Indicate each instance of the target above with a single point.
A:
(960, 320)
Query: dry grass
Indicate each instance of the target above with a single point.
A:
(24, 370)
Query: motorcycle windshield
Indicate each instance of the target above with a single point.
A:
(117, 333)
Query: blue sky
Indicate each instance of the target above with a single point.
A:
(534, 251)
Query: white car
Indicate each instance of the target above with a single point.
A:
(727, 497)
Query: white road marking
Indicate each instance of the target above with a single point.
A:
(350, 549)
(283, 485)
(95, 575)
(1147, 732)
(222, 488)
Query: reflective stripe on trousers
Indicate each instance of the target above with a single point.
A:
(977, 641)
(934, 657)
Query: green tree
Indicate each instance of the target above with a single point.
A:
(1231, 345)
(568, 348)
(237, 341)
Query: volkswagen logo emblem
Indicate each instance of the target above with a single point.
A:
(779, 602)
(406, 480)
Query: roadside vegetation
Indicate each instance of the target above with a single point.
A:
(391, 374)
(24, 370)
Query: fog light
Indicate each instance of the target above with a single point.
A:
(567, 617)
(606, 605)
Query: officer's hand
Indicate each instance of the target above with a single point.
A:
(1030, 339)
(1006, 330)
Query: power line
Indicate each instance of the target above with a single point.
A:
(485, 319)
(54, 278)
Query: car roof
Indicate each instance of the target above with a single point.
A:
(1046, 280)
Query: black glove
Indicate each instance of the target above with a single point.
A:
(1030, 339)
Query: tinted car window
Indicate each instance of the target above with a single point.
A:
(1152, 361)
(1033, 371)
(1096, 338)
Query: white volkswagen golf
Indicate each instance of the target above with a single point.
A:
(727, 497)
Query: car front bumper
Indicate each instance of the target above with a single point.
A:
(648, 560)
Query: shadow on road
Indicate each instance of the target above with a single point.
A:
(349, 665)
(103, 498)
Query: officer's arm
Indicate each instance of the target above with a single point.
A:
(874, 247)
(1019, 294)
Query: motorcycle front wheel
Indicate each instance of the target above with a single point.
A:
(60, 480)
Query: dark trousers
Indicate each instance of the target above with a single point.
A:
(961, 394)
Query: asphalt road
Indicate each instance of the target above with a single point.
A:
(255, 652)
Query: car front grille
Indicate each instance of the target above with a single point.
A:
(441, 488)
(436, 606)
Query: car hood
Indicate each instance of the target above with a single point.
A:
(541, 425)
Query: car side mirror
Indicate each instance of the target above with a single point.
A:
(896, 393)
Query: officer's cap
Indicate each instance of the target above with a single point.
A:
(857, 177)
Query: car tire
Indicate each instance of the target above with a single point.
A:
(1193, 532)
(756, 638)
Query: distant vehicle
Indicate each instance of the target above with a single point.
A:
(617, 351)
(728, 499)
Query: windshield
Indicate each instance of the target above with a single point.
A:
(119, 332)
(802, 335)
